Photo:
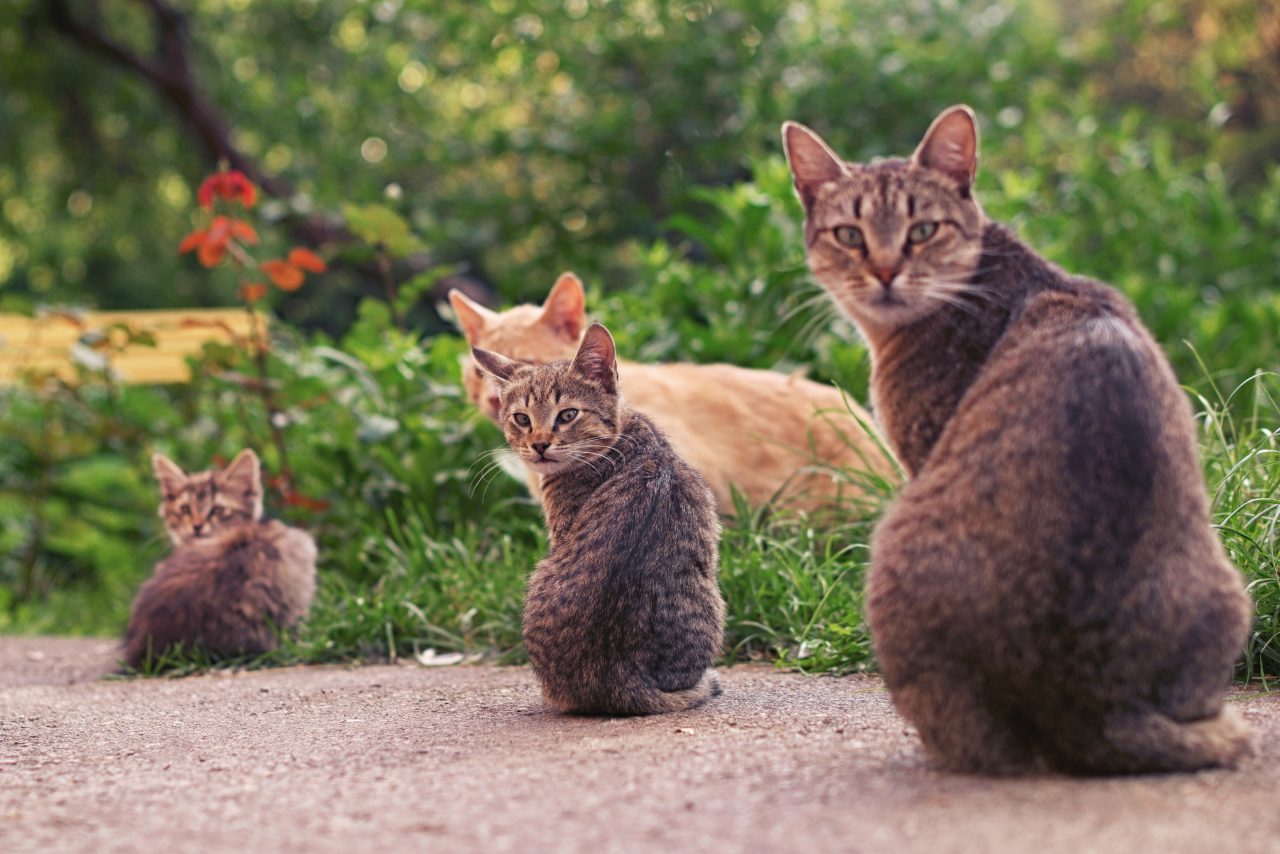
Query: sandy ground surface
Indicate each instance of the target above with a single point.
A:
(468, 758)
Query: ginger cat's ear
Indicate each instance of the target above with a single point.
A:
(243, 477)
(473, 318)
(499, 367)
(597, 358)
(172, 479)
(812, 161)
(950, 146)
(565, 310)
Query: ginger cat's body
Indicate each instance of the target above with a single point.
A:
(755, 430)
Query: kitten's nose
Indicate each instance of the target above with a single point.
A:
(198, 527)
(886, 275)
(540, 447)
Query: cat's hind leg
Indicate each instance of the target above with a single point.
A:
(959, 727)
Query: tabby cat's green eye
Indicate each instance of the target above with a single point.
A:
(850, 236)
(922, 231)
(566, 416)
(521, 419)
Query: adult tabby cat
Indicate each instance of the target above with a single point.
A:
(624, 615)
(233, 579)
(1046, 589)
(765, 432)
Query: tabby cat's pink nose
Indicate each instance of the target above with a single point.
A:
(886, 274)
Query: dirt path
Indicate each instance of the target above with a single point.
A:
(467, 758)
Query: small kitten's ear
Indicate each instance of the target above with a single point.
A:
(243, 476)
(951, 146)
(565, 310)
(597, 358)
(499, 367)
(473, 318)
(172, 479)
(812, 161)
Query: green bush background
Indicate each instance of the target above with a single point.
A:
(636, 143)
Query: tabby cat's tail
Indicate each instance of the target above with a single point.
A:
(652, 701)
(1151, 742)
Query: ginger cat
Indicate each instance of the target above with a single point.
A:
(762, 431)
(1047, 589)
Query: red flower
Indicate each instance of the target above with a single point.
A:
(307, 260)
(212, 242)
(286, 276)
(252, 291)
(232, 186)
(288, 273)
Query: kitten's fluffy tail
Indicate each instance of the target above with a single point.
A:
(655, 702)
(1148, 742)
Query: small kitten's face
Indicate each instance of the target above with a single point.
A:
(528, 333)
(204, 504)
(892, 241)
(560, 416)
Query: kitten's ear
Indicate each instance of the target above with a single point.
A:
(597, 358)
(565, 310)
(172, 479)
(812, 161)
(499, 367)
(473, 318)
(951, 147)
(243, 476)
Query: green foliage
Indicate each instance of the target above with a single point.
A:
(1242, 454)
(521, 139)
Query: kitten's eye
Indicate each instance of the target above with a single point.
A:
(921, 231)
(185, 509)
(850, 235)
(566, 416)
(521, 419)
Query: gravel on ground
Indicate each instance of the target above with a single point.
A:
(397, 757)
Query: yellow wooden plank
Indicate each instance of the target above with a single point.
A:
(44, 342)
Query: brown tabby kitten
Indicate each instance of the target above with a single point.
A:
(1047, 588)
(624, 615)
(233, 580)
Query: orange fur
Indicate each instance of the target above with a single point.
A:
(754, 429)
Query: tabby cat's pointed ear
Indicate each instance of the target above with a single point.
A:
(473, 318)
(812, 161)
(499, 367)
(597, 358)
(951, 147)
(565, 310)
(243, 477)
(172, 479)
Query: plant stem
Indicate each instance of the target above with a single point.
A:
(389, 286)
(259, 345)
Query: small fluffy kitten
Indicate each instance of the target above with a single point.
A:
(233, 579)
(1047, 589)
(624, 615)
(753, 429)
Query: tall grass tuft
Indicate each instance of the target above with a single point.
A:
(1242, 462)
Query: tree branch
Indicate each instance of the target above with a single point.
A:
(169, 71)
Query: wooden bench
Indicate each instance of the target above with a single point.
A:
(54, 340)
